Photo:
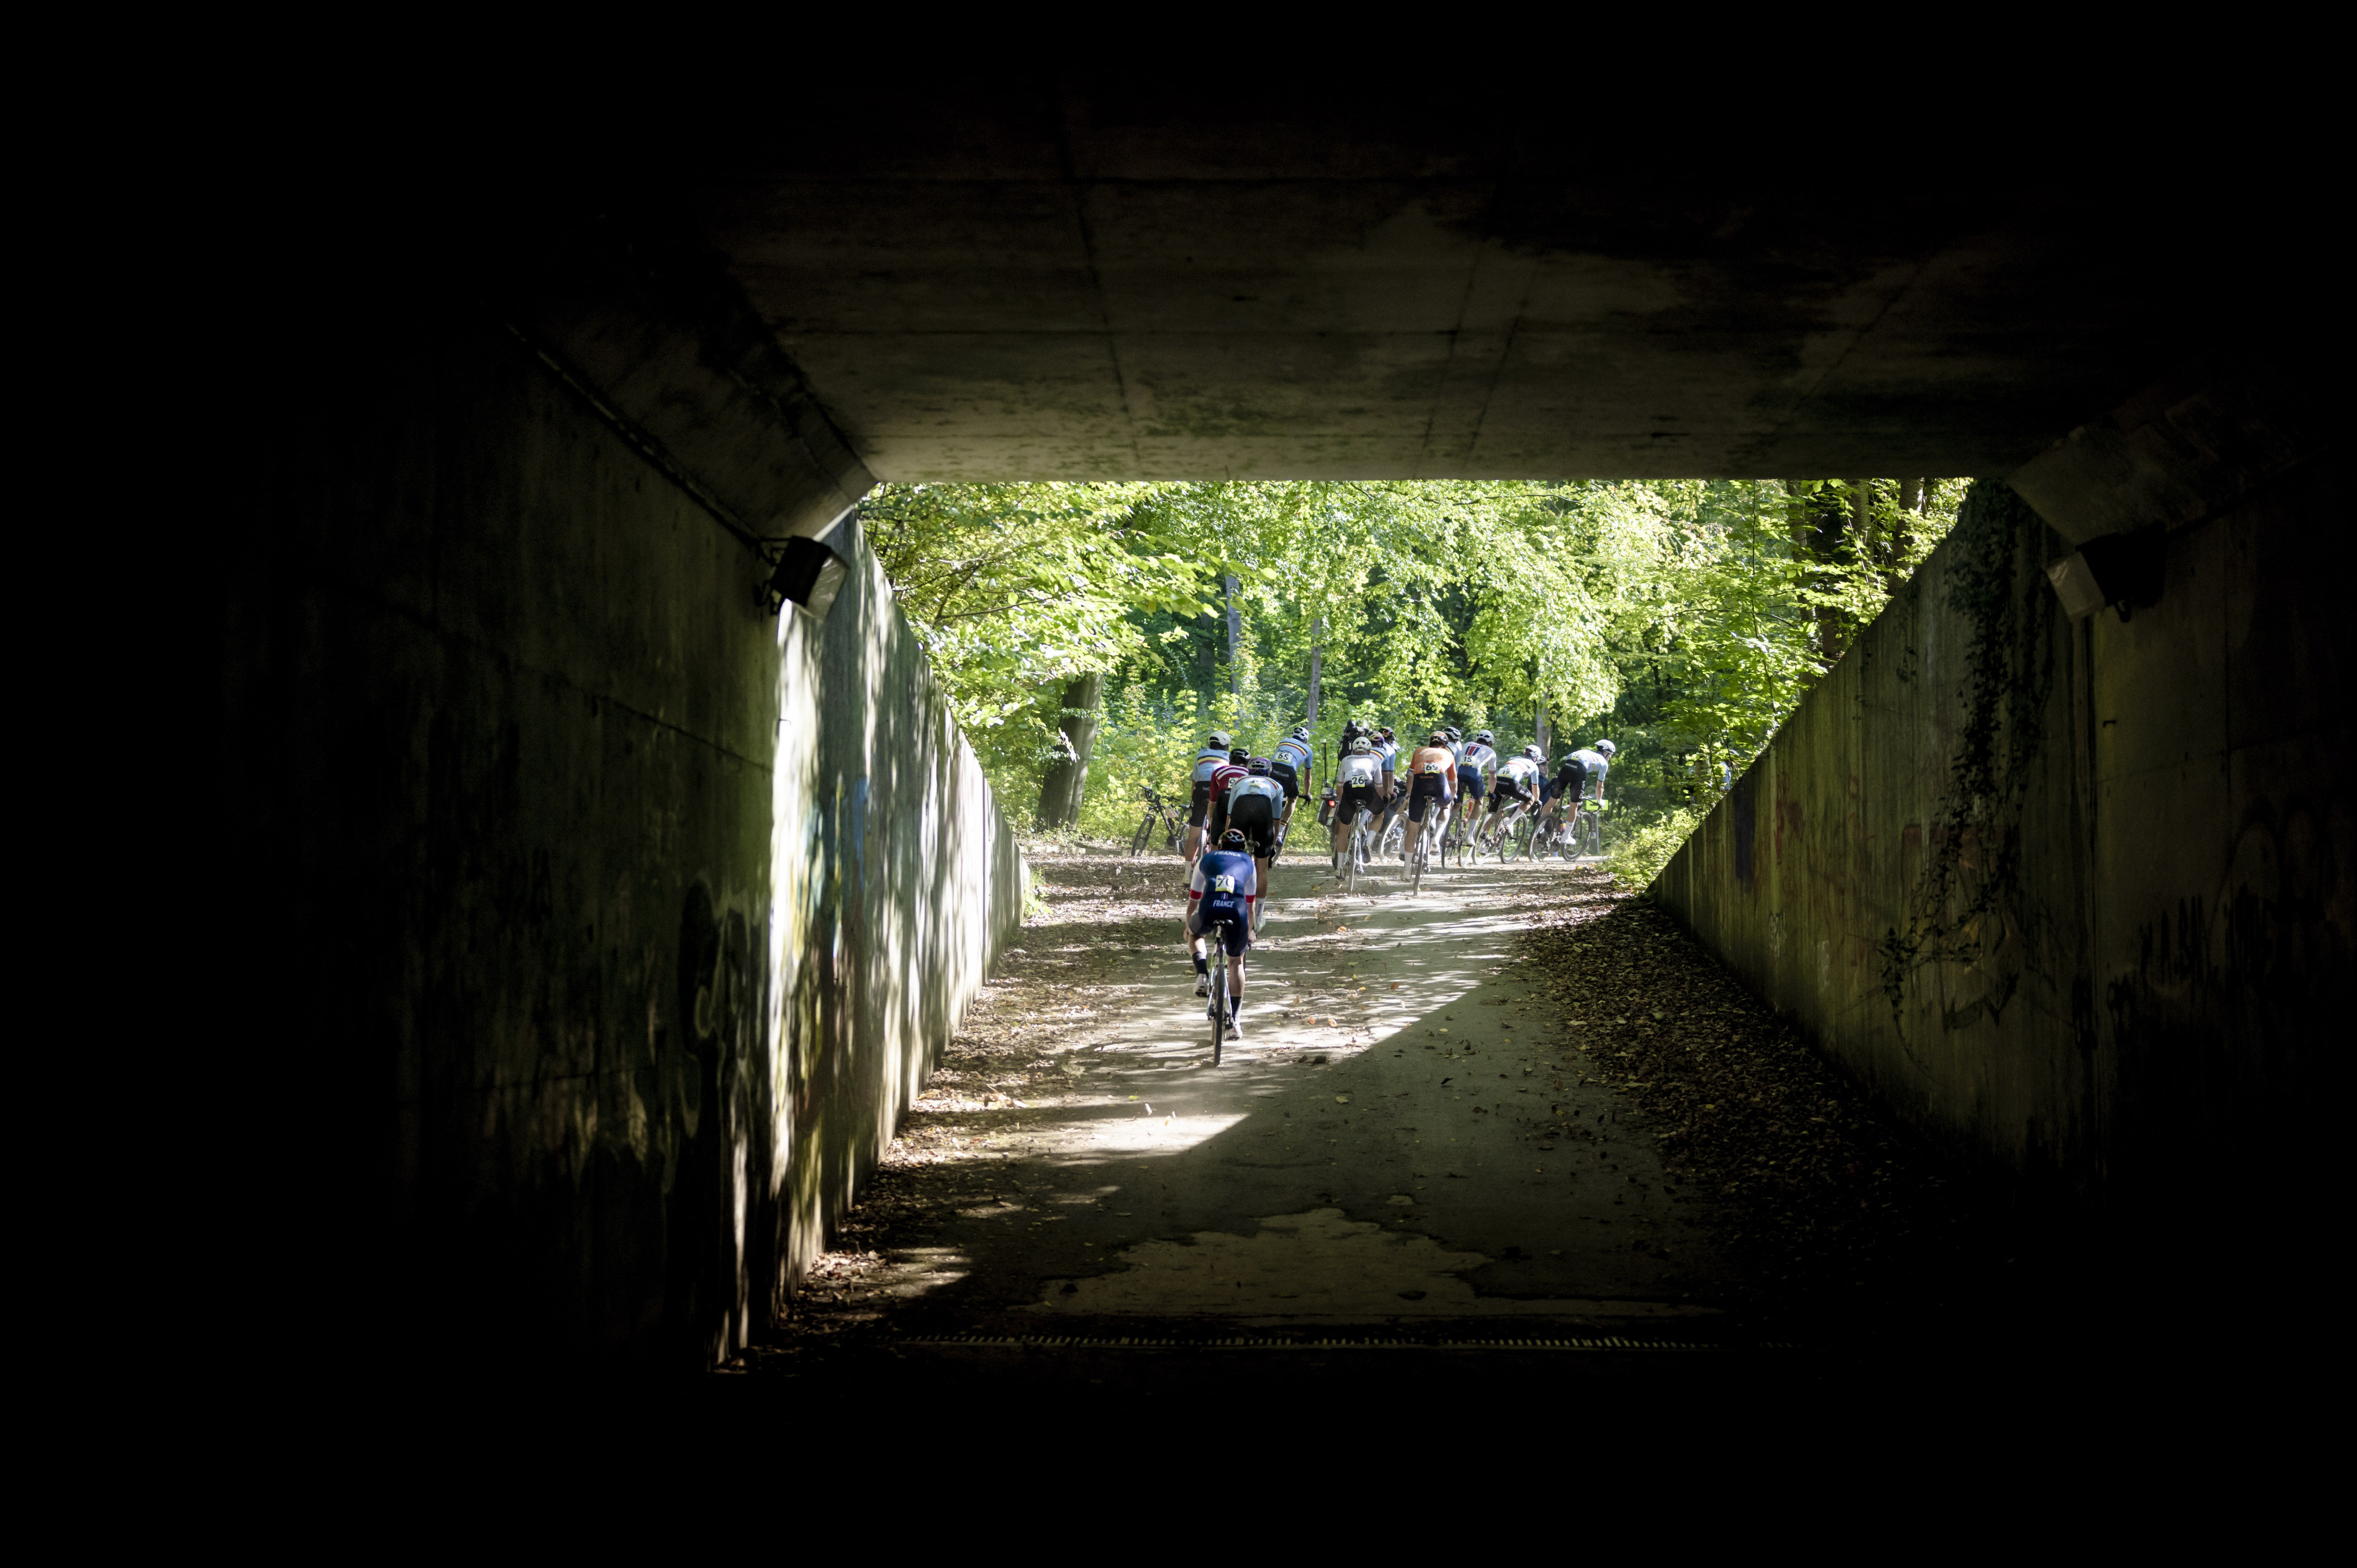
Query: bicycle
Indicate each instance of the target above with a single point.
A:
(1587, 828)
(1391, 842)
(1422, 858)
(1360, 838)
(1156, 811)
(1218, 1012)
(1502, 837)
(1461, 831)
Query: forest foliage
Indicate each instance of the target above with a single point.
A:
(1683, 619)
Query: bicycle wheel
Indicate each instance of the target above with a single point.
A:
(1145, 831)
(1219, 1014)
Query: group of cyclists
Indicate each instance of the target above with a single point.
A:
(1243, 805)
(1446, 770)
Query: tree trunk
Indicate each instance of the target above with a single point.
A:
(1913, 496)
(1236, 637)
(1316, 664)
(1820, 526)
(1066, 777)
(1540, 724)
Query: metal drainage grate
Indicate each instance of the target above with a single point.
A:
(1147, 1342)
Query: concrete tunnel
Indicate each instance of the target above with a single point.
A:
(609, 959)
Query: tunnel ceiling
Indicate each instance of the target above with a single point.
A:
(1046, 288)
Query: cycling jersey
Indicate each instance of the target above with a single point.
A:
(1481, 759)
(1292, 753)
(1433, 762)
(1357, 769)
(1253, 785)
(1221, 893)
(1207, 761)
(1518, 778)
(1221, 783)
(1591, 763)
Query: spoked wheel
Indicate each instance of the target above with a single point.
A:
(1145, 831)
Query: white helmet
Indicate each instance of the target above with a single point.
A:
(1361, 746)
(1605, 749)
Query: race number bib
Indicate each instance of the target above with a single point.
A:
(1223, 884)
(1434, 767)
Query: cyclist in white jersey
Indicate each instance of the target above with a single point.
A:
(1253, 802)
(1207, 761)
(1519, 780)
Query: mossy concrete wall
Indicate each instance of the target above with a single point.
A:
(2074, 899)
(597, 925)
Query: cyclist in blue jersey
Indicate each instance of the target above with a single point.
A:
(1207, 761)
(1222, 898)
(1289, 766)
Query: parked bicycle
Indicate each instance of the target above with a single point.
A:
(1156, 811)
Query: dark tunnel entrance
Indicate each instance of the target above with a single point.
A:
(625, 948)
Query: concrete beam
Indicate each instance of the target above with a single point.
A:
(2179, 453)
(652, 330)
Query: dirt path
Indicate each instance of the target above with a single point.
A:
(1410, 1133)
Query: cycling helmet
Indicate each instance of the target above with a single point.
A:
(1605, 749)
(1535, 754)
(1240, 754)
(1454, 733)
(1257, 765)
(1300, 732)
(1232, 839)
(1361, 746)
(1218, 739)
(1484, 737)
(1439, 737)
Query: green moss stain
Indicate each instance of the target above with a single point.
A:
(1964, 897)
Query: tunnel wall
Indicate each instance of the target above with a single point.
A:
(594, 992)
(2072, 897)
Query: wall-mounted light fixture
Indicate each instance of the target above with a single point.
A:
(807, 575)
(2124, 569)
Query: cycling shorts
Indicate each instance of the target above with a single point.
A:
(1198, 808)
(1354, 800)
(1469, 780)
(1570, 778)
(1423, 792)
(1233, 927)
(1283, 773)
(1508, 790)
(1252, 818)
